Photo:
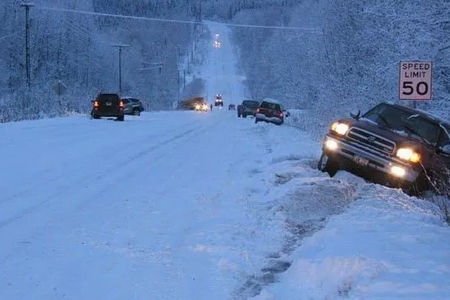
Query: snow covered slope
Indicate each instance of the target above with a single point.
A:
(385, 246)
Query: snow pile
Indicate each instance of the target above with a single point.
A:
(385, 245)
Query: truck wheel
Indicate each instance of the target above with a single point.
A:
(256, 120)
(136, 112)
(244, 116)
(327, 164)
(120, 118)
(95, 117)
(239, 115)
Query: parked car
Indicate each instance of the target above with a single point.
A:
(133, 106)
(231, 107)
(247, 108)
(218, 101)
(108, 105)
(392, 145)
(271, 111)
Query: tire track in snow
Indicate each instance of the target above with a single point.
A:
(311, 198)
(62, 189)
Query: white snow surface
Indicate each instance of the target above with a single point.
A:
(190, 205)
(386, 245)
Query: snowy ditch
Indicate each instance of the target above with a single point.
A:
(306, 200)
(341, 236)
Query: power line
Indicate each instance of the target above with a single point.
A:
(91, 13)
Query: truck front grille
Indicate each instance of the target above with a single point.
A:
(371, 140)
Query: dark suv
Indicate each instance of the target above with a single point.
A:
(108, 105)
(247, 108)
(132, 106)
(218, 101)
(270, 111)
(392, 145)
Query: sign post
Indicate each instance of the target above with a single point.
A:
(415, 81)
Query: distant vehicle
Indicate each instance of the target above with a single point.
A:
(231, 107)
(201, 107)
(133, 106)
(247, 108)
(392, 145)
(108, 105)
(218, 101)
(270, 111)
(217, 42)
(191, 103)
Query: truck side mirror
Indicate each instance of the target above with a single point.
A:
(356, 116)
(445, 149)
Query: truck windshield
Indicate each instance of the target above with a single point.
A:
(401, 121)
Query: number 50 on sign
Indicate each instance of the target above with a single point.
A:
(416, 80)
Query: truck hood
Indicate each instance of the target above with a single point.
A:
(401, 138)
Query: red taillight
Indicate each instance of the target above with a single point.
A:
(281, 114)
(257, 110)
(121, 104)
(96, 104)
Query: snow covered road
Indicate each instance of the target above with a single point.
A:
(184, 205)
(161, 206)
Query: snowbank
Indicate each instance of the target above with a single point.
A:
(386, 245)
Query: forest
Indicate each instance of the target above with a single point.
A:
(351, 60)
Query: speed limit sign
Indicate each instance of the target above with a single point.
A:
(416, 80)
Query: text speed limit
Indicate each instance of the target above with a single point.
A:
(416, 80)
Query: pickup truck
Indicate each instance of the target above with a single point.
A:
(247, 108)
(393, 145)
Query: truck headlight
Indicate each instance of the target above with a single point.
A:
(340, 128)
(398, 171)
(331, 145)
(408, 154)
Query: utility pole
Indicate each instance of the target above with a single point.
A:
(27, 41)
(120, 47)
(178, 73)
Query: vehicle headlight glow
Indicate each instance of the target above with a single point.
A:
(398, 171)
(408, 154)
(340, 128)
(197, 106)
(331, 145)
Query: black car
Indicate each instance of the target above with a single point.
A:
(108, 105)
(270, 111)
(133, 106)
(231, 107)
(392, 145)
(247, 108)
